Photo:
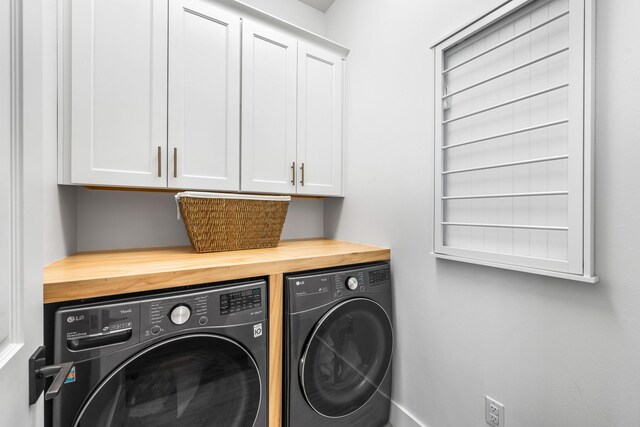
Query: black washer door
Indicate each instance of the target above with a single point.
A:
(346, 357)
(195, 381)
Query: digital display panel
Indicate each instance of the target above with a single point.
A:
(235, 302)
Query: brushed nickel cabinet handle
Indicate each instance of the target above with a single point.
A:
(293, 173)
(175, 162)
(159, 161)
(302, 175)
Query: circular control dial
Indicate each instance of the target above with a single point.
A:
(352, 283)
(180, 314)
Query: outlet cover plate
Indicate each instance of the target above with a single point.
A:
(494, 412)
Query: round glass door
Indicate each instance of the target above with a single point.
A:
(346, 357)
(195, 381)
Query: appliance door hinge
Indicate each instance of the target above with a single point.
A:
(39, 372)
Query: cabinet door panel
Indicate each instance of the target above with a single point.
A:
(268, 109)
(118, 92)
(204, 97)
(320, 99)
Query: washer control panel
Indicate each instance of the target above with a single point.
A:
(92, 330)
(171, 314)
(88, 328)
(349, 283)
(234, 302)
(313, 290)
(213, 307)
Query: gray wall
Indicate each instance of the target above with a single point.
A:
(555, 352)
(76, 219)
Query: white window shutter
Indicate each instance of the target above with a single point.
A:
(510, 140)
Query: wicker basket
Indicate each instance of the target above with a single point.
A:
(226, 222)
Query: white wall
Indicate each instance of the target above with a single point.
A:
(59, 203)
(293, 11)
(556, 353)
(76, 219)
(132, 219)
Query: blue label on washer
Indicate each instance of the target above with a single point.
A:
(71, 378)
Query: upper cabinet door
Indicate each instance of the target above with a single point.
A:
(204, 97)
(268, 109)
(119, 92)
(320, 113)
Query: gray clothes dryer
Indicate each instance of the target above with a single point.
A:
(339, 344)
(194, 358)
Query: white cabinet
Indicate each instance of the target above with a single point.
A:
(269, 76)
(320, 113)
(204, 96)
(118, 92)
(292, 110)
(197, 94)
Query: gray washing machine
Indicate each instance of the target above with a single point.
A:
(339, 340)
(194, 358)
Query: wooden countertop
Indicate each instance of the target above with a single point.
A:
(96, 274)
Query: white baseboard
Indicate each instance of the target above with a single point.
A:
(400, 417)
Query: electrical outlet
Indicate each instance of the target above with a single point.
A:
(494, 412)
(494, 419)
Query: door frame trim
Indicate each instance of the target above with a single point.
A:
(16, 147)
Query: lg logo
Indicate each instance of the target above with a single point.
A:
(72, 319)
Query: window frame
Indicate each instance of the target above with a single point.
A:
(580, 264)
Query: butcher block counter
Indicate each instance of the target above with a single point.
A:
(106, 273)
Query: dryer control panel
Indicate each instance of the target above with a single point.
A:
(309, 291)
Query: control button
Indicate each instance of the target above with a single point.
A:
(203, 320)
(361, 288)
(180, 314)
(155, 330)
(339, 293)
(352, 283)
